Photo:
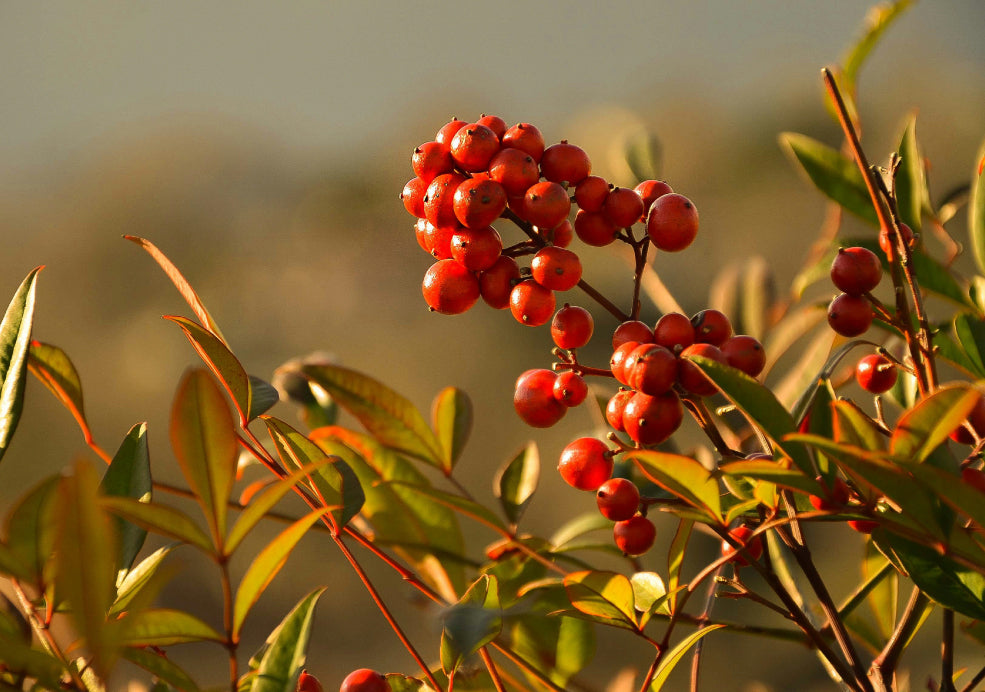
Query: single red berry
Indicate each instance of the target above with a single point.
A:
(437, 239)
(672, 222)
(308, 683)
(534, 399)
(586, 463)
(531, 303)
(565, 163)
(618, 499)
(856, 270)
(439, 200)
(614, 409)
(635, 535)
(863, 525)
(450, 288)
(591, 192)
(886, 242)
(619, 361)
(364, 680)
(546, 204)
(674, 331)
(556, 268)
(421, 228)
(849, 315)
(448, 131)
(496, 283)
(473, 147)
(711, 327)
(413, 196)
(572, 327)
(977, 421)
(525, 137)
(691, 377)
(835, 498)
(973, 477)
(559, 236)
(745, 353)
(632, 330)
(430, 160)
(594, 228)
(478, 202)
(570, 388)
(650, 420)
(651, 369)
(476, 248)
(753, 546)
(648, 191)
(494, 123)
(875, 373)
(515, 170)
(623, 207)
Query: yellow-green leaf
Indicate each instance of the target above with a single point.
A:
(606, 595)
(161, 519)
(976, 211)
(164, 627)
(128, 475)
(15, 339)
(674, 656)
(833, 173)
(285, 652)
(452, 416)
(924, 427)
(52, 366)
(517, 480)
(684, 477)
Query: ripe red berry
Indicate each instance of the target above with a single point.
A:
(546, 204)
(875, 373)
(648, 191)
(745, 353)
(413, 196)
(754, 546)
(494, 123)
(591, 192)
(477, 249)
(586, 463)
(632, 330)
(439, 201)
(559, 236)
(849, 315)
(594, 228)
(623, 207)
(635, 535)
(885, 242)
(973, 477)
(693, 378)
(308, 683)
(672, 222)
(674, 331)
(496, 283)
(556, 268)
(835, 497)
(450, 288)
(856, 270)
(863, 525)
(651, 369)
(565, 163)
(525, 137)
(614, 409)
(473, 147)
(570, 388)
(477, 202)
(421, 229)
(572, 327)
(430, 160)
(977, 420)
(364, 680)
(531, 303)
(437, 239)
(650, 420)
(534, 399)
(618, 499)
(619, 361)
(449, 130)
(711, 327)
(515, 170)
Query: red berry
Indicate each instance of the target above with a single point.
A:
(421, 229)
(754, 547)
(450, 288)
(534, 399)
(572, 327)
(570, 388)
(565, 163)
(496, 283)
(691, 377)
(364, 680)
(835, 497)
(439, 201)
(885, 243)
(623, 207)
(494, 123)
(648, 191)
(594, 228)
(745, 353)
(651, 369)
(614, 409)
(973, 477)
(591, 192)
(477, 202)
(477, 249)
(635, 535)
(437, 239)
(308, 683)
(473, 147)
(546, 204)
(650, 420)
(449, 130)
(559, 236)
(711, 327)
(849, 315)
(856, 270)
(531, 303)
(430, 160)
(619, 361)
(618, 499)
(556, 268)
(875, 373)
(413, 196)
(515, 170)
(586, 463)
(674, 331)
(632, 330)
(525, 137)
(977, 420)
(863, 525)
(672, 222)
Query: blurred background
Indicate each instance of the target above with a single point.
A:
(263, 146)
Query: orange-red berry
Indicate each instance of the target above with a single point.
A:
(439, 200)
(565, 163)
(556, 268)
(477, 202)
(515, 170)
(546, 204)
(473, 147)
(525, 137)
(875, 373)
(533, 399)
(632, 330)
(650, 420)
(413, 196)
(591, 192)
(570, 388)
(711, 327)
(623, 207)
(672, 222)
(477, 249)
(449, 288)
(586, 463)
(618, 499)
(430, 160)
(635, 535)
(849, 315)
(856, 270)
(648, 191)
(691, 377)
(753, 546)
(364, 680)
(572, 327)
(531, 303)
(594, 228)
(745, 353)
(674, 331)
(651, 369)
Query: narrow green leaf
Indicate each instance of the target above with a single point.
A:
(643, 153)
(128, 475)
(139, 579)
(771, 472)
(15, 339)
(164, 627)
(976, 211)
(29, 529)
(161, 519)
(460, 504)
(162, 667)
(607, 595)
(923, 428)
(833, 173)
(471, 623)
(20, 657)
(684, 477)
(205, 444)
(935, 276)
(675, 560)
(884, 596)
(517, 481)
(911, 183)
(282, 662)
(852, 427)
(266, 565)
(969, 332)
(877, 20)
(950, 489)
(578, 527)
(567, 642)
(263, 396)
(388, 416)
(674, 656)
(52, 366)
(451, 414)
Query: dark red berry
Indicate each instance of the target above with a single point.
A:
(691, 377)
(534, 399)
(450, 288)
(496, 283)
(364, 680)
(525, 137)
(886, 242)
(674, 331)
(556, 268)
(977, 421)
(849, 315)
(308, 683)
(753, 546)
(546, 204)
(635, 535)
(865, 526)
(835, 498)
(650, 420)
(570, 388)
(623, 207)
(856, 270)
(559, 236)
(614, 409)
(619, 361)
(745, 353)
(618, 499)
(572, 327)
(875, 373)
(672, 222)
(594, 228)
(973, 477)
(531, 303)
(586, 463)
(711, 327)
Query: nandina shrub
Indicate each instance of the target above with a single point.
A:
(785, 458)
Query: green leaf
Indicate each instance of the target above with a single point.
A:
(976, 211)
(452, 416)
(164, 627)
(643, 153)
(128, 475)
(578, 527)
(884, 595)
(771, 472)
(934, 276)
(833, 173)
(923, 428)
(21, 658)
(205, 444)
(52, 366)
(282, 662)
(675, 560)
(15, 339)
(388, 416)
(605, 595)
(471, 623)
(162, 667)
(877, 20)
(852, 426)
(266, 565)
(684, 477)
(161, 519)
(263, 396)
(949, 487)
(460, 504)
(674, 656)
(140, 579)
(911, 183)
(565, 644)
(969, 332)
(517, 481)
(30, 535)
(650, 594)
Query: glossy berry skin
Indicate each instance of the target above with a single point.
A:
(650, 420)
(594, 228)
(885, 244)
(556, 268)
(449, 130)
(586, 463)
(308, 683)
(546, 204)
(619, 361)
(615, 408)
(437, 239)
(570, 388)
(651, 369)
(525, 137)
(477, 249)
(618, 499)
(711, 327)
(449, 288)
(439, 201)
(364, 680)
(430, 160)
(648, 191)
(473, 147)
(849, 315)
(591, 192)
(973, 477)
(477, 202)
(672, 222)
(533, 399)
(674, 331)
(413, 196)
(496, 283)
(875, 373)
(559, 236)
(565, 163)
(865, 526)
(745, 353)
(515, 170)
(691, 377)
(977, 420)
(635, 535)
(835, 497)
(572, 327)
(494, 123)
(531, 303)
(623, 207)
(632, 330)
(754, 547)
(856, 270)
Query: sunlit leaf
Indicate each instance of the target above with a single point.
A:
(884, 595)
(128, 475)
(517, 480)
(976, 212)
(162, 667)
(20, 657)
(263, 396)
(52, 366)
(650, 594)
(674, 656)
(452, 415)
(924, 427)
(578, 526)
(969, 333)
(683, 476)
(879, 18)
(772, 472)
(471, 623)
(460, 504)
(164, 627)
(675, 559)
(606, 595)
(142, 577)
(161, 519)
(833, 173)
(284, 656)
(911, 183)
(566, 642)
(15, 339)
